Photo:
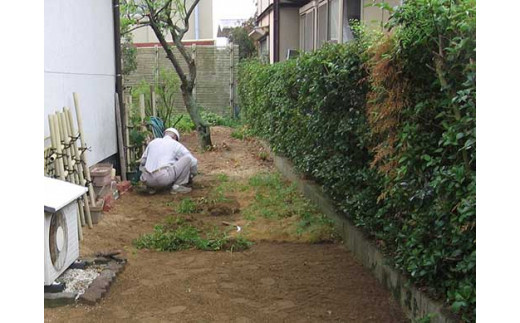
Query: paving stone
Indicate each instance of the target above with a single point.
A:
(58, 299)
(114, 266)
(91, 296)
(97, 289)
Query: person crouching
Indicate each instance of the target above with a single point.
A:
(167, 164)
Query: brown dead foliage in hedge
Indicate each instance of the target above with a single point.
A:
(385, 100)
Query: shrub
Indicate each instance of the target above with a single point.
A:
(387, 125)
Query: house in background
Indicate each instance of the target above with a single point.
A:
(225, 26)
(305, 25)
(80, 56)
(200, 31)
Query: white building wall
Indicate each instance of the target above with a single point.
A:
(79, 57)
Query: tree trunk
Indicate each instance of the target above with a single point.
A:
(200, 125)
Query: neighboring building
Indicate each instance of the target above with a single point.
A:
(225, 26)
(305, 25)
(200, 31)
(79, 51)
(231, 23)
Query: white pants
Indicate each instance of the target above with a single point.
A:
(167, 176)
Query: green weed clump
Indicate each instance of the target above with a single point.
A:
(187, 206)
(180, 235)
(243, 132)
(275, 199)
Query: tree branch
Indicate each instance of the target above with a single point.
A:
(169, 53)
(140, 25)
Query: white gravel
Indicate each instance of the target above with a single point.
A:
(77, 280)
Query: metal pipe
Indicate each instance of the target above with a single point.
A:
(120, 145)
(117, 51)
(276, 33)
(197, 21)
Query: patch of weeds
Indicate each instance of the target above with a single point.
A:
(276, 200)
(218, 194)
(267, 180)
(187, 206)
(185, 236)
(215, 119)
(185, 124)
(223, 178)
(263, 155)
(242, 133)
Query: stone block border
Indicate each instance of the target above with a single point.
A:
(99, 287)
(415, 303)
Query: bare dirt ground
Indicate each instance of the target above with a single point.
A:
(276, 280)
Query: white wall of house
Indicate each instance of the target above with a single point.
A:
(80, 57)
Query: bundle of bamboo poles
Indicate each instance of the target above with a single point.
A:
(66, 159)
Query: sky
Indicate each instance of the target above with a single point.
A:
(231, 9)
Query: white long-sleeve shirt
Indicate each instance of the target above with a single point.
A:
(165, 151)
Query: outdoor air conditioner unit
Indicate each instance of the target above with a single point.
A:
(60, 226)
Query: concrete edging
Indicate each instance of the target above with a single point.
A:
(415, 303)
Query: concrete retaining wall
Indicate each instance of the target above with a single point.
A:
(415, 303)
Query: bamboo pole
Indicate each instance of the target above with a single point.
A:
(122, 159)
(142, 114)
(76, 152)
(73, 177)
(66, 151)
(80, 229)
(83, 148)
(127, 109)
(55, 135)
(56, 140)
(152, 101)
(142, 108)
(86, 217)
(68, 144)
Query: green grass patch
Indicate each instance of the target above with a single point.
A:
(177, 234)
(187, 206)
(277, 200)
(243, 132)
(223, 178)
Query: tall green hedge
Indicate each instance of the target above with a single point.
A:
(387, 125)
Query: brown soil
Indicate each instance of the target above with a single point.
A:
(273, 281)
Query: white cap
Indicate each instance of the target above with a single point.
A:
(174, 131)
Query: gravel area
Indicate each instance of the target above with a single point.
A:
(77, 280)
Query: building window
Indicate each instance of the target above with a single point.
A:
(302, 31)
(322, 23)
(264, 48)
(308, 33)
(334, 21)
(351, 12)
